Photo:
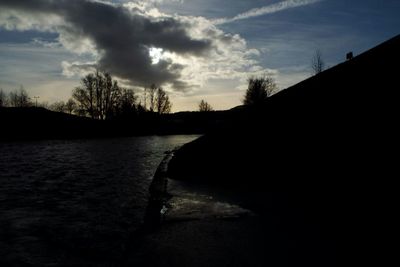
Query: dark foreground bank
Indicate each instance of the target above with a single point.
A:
(195, 224)
(314, 164)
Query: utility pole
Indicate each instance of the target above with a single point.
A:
(36, 98)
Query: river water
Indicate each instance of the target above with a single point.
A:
(78, 202)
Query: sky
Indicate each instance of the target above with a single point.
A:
(194, 49)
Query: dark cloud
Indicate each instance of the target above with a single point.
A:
(121, 38)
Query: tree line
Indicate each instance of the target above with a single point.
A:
(16, 98)
(100, 97)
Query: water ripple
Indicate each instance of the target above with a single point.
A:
(75, 202)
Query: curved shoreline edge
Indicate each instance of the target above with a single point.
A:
(171, 200)
(158, 195)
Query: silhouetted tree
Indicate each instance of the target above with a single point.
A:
(58, 106)
(163, 104)
(80, 111)
(143, 101)
(127, 102)
(84, 95)
(156, 100)
(97, 96)
(3, 99)
(204, 106)
(13, 98)
(19, 98)
(140, 109)
(150, 98)
(112, 95)
(70, 106)
(317, 63)
(258, 90)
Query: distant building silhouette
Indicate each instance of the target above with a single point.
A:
(349, 55)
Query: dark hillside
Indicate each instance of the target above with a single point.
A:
(348, 108)
(322, 147)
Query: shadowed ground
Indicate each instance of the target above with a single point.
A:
(313, 166)
(203, 227)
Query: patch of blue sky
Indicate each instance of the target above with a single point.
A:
(18, 37)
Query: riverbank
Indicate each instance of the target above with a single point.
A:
(314, 165)
(308, 174)
(202, 225)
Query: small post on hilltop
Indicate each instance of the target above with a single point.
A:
(36, 98)
(349, 56)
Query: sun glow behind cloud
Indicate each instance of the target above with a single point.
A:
(156, 54)
(227, 58)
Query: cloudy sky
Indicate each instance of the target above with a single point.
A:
(195, 49)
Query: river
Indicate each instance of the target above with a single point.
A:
(75, 202)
